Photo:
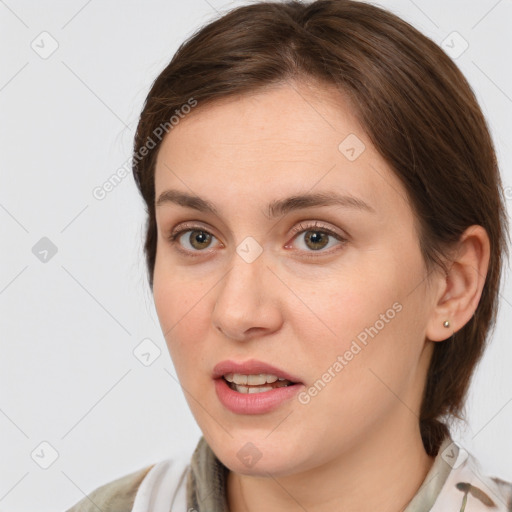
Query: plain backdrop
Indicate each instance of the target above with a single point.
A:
(78, 408)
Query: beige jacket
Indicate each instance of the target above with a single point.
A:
(115, 496)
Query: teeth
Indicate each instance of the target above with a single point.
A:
(251, 380)
(259, 389)
(262, 378)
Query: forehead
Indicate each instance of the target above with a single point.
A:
(290, 137)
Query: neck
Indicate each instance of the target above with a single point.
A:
(380, 473)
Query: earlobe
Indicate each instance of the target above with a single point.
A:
(461, 286)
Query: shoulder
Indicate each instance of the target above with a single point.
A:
(504, 490)
(137, 491)
(473, 487)
(116, 495)
(165, 484)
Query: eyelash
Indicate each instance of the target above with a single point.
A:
(174, 235)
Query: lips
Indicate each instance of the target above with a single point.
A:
(254, 399)
(251, 367)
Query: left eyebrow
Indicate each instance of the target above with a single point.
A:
(275, 208)
(280, 207)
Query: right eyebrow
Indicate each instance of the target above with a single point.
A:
(187, 200)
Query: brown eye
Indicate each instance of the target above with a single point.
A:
(316, 239)
(191, 239)
(198, 239)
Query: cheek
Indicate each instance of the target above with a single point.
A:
(344, 305)
(181, 307)
(375, 326)
(174, 293)
(367, 316)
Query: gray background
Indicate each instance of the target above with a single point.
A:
(70, 325)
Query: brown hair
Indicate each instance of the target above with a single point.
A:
(417, 109)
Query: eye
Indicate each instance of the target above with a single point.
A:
(316, 237)
(191, 238)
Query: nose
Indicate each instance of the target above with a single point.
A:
(247, 303)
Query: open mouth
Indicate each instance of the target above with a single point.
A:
(258, 383)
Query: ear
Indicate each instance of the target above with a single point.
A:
(461, 287)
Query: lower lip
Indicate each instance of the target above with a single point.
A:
(254, 403)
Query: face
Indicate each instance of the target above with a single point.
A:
(330, 294)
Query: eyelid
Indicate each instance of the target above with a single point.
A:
(318, 227)
(189, 225)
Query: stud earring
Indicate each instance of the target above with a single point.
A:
(446, 323)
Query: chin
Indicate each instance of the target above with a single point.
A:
(256, 456)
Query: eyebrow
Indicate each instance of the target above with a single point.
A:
(275, 208)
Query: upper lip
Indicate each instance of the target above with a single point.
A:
(251, 367)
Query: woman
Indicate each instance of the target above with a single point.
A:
(324, 244)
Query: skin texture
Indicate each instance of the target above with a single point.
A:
(357, 443)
